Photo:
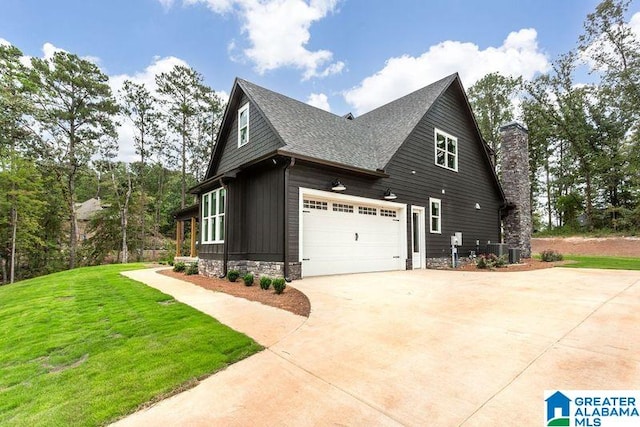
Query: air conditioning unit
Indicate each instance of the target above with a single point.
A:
(498, 249)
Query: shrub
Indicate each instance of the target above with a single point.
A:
(233, 275)
(179, 267)
(265, 282)
(490, 261)
(192, 269)
(279, 285)
(248, 279)
(170, 262)
(549, 255)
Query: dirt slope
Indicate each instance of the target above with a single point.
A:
(613, 246)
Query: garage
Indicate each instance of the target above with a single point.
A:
(345, 234)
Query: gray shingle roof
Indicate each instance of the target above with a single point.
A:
(366, 142)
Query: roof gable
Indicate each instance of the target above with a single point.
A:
(366, 142)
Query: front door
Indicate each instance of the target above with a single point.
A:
(418, 237)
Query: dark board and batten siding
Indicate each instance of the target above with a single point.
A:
(255, 208)
(472, 183)
(262, 140)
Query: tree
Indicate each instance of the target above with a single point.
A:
(491, 100)
(140, 106)
(76, 110)
(188, 102)
(566, 107)
(613, 51)
(21, 206)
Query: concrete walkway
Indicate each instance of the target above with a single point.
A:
(435, 348)
(265, 324)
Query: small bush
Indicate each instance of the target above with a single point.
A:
(549, 255)
(192, 269)
(265, 282)
(490, 261)
(233, 275)
(170, 262)
(279, 285)
(248, 279)
(179, 267)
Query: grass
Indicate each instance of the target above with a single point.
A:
(86, 346)
(602, 262)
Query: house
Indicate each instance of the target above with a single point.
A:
(297, 191)
(85, 212)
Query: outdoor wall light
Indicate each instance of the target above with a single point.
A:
(478, 206)
(388, 195)
(337, 186)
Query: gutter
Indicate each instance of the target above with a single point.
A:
(225, 244)
(291, 163)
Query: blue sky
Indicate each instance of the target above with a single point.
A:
(342, 55)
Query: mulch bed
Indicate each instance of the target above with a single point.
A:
(291, 299)
(526, 264)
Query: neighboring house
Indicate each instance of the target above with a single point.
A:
(85, 212)
(332, 195)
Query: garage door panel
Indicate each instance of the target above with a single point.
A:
(350, 242)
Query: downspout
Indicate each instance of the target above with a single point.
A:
(286, 219)
(225, 245)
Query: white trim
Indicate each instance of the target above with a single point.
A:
(212, 220)
(439, 202)
(327, 195)
(423, 236)
(437, 131)
(242, 109)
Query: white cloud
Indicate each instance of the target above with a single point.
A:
(4, 42)
(278, 32)
(216, 6)
(148, 75)
(519, 55)
(319, 100)
(166, 4)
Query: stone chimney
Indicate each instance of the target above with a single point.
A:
(514, 153)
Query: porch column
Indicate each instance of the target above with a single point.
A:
(193, 237)
(178, 238)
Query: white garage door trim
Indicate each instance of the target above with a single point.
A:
(329, 196)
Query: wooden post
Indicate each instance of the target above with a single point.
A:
(193, 237)
(178, 238)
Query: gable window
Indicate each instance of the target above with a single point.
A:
(435, 216)
(213, 216)
(243, 125)
(446, 147)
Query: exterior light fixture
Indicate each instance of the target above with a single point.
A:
(337, 186)
(388, 195)
(478, 206)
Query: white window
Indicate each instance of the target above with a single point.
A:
(435, 216)
(315, 204)
(365, 210)
(340, 207)
(243, 125)
(213, 216)
(446, 149)
(388, 213)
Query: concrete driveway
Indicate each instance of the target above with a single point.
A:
(427, 347)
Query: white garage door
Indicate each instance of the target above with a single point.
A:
(345, 236)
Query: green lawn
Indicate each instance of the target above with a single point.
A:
(85, 346)
(603, 262)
